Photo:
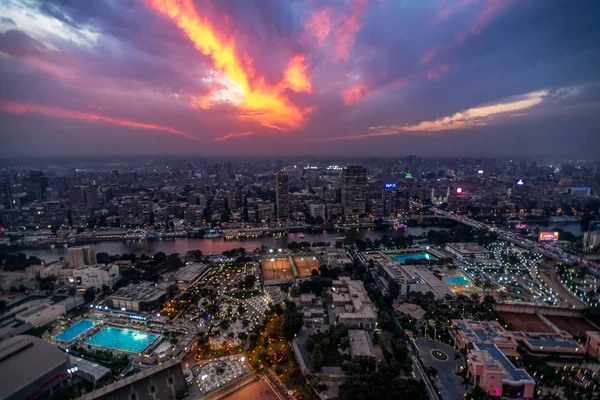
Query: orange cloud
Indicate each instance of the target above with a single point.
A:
(355, 93)
(51, 111)
(295, 75)
(320, 24)
(232, 135)
(437, 72)
(259, 101)
(349, 25)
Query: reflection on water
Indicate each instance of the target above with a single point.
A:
(217, 246)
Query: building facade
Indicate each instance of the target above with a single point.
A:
(82, 255)
(354, 191)
(282, 196)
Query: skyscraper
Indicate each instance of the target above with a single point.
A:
(354, 190)
(282, 195)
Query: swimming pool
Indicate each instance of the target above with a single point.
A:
(123, 339)
(457, 280)
(421, 255)
(71, 333)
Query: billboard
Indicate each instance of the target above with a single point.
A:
(548, 236)
(390, 186)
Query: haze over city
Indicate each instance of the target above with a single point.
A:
(358, 77)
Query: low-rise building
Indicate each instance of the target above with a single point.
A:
(468, 250)
(495, 374)
(360, 343)
(411, 278)
(312, 310)
(97, 275)
(337, 258)
(189, 274)
(87, 370)
(41, 314)
(412, 311)
(467, 332)
(352, 305)
(137, 297)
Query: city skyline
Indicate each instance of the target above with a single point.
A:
(469, 78)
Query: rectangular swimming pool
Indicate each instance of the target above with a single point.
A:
(123, 339)
(71, 333)
(421, 255)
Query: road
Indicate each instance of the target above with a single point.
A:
(544, 249)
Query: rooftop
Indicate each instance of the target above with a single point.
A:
(23, 359)
(360, 343)
(89, 367)
(139, 292)
(513, 373)
(468, 248)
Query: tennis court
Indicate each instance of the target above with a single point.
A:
(574, 325)
(305, 264)
(277, 269)
(525, 322)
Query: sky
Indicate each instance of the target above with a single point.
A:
(300, 77)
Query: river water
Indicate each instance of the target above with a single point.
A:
(217, 246)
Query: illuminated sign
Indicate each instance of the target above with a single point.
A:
(521, 226)
(548, 236)
(480, 171)
(520, 182)
(459, 190)
(390, 186)
(408, 175)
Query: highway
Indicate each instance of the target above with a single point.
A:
(538, 247)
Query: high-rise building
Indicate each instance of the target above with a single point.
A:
(37, 185)
(83, 255)
(354, 190)
(91, 196)
(7, 198)
(75, 196)
(282, 195)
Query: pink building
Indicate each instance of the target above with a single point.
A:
(593, 343)
(493, 372)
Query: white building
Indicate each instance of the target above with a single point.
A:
(41, 314)
(83, 255)
(97, 275)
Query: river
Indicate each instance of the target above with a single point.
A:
(217, 246)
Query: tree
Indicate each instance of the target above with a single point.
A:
(249, 281)
(72, 291)
(477, 394)
(242, 335)
(2, 306)
(292, 321)
(317, 357)
(89, 295)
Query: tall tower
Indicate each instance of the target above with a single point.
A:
(282, 195)
(354, 190)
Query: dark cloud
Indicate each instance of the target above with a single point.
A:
(409, 62)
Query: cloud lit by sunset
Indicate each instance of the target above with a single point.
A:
(294, 72)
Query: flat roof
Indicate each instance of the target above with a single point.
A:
(23, 359)
(89, 367)
(138, 292)
(360, 343)
(494, 351)
(468, 248)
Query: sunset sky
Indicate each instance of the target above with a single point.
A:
(300, 77)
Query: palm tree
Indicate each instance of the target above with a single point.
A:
(72, 291)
